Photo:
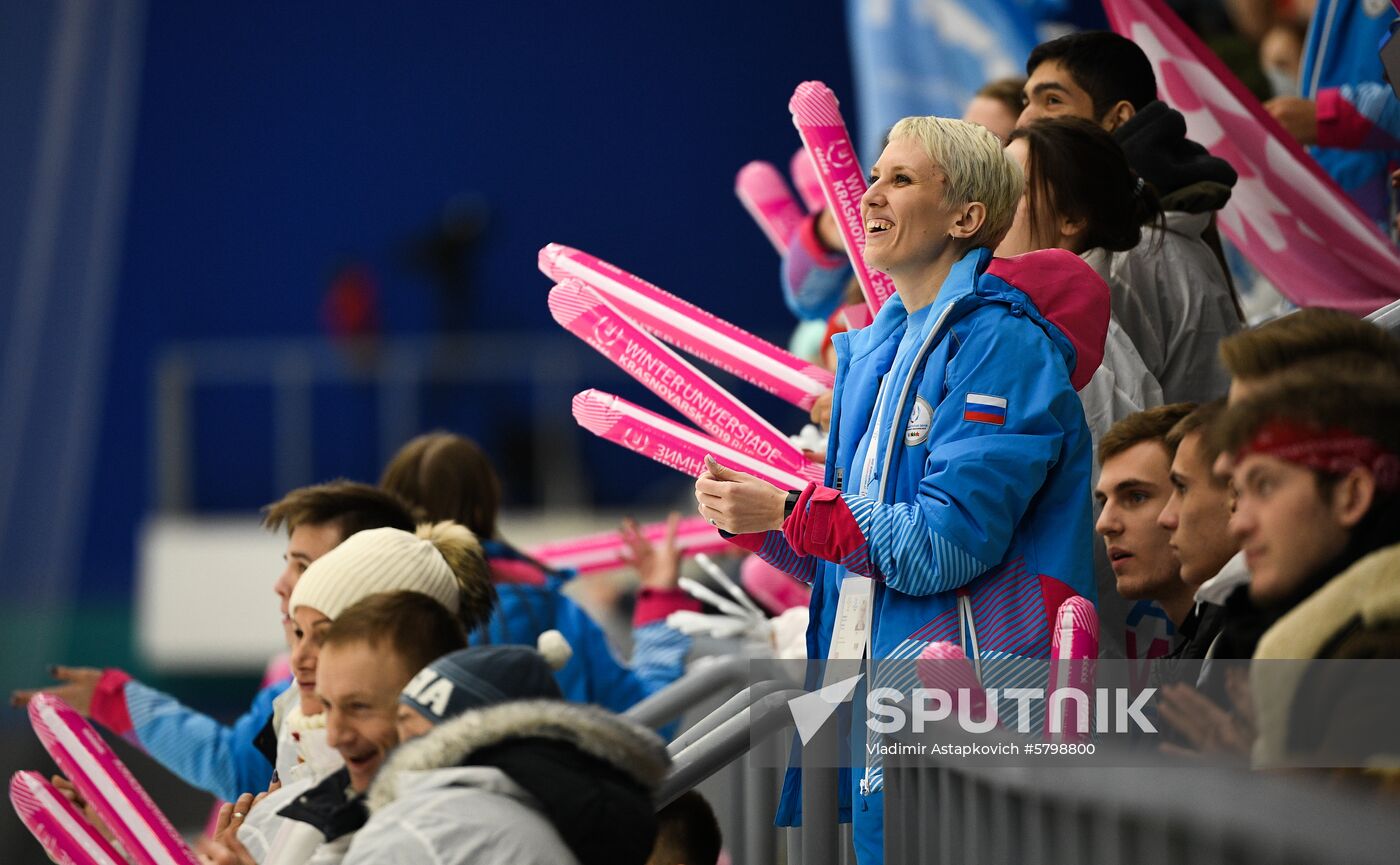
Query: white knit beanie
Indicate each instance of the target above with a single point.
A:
(374, 561)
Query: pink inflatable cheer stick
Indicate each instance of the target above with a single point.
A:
(1074, 646)
(804, 177)
(66, 836)
(778, 591)
(944, 666)
(604, 551)
(691, 329)
(584, 313)
(766, 197)
(669, 443)
(817, 116)
(104, 781)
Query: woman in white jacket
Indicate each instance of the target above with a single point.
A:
(1082, 196)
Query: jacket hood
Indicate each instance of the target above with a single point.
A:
(1071, 297)
(592, 772)
(1068, 299)
(1186, 176)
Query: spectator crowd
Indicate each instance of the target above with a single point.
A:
(1063, 399)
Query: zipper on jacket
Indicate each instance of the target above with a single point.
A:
(877, 589)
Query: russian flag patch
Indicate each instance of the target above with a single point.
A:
(981, 408)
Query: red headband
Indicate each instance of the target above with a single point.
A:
(1336, 450)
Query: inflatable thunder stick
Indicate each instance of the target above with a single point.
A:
(691, 329)
(53, 821)
(816, 115)
(104, 781)
(943, 666)
(669, 443)
(584, 313)
(765, 195)
(605, 551)
(1074, 646)
(804, 177)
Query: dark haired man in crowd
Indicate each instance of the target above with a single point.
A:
(1198, 515)
(1171, 293)
(1133, 487)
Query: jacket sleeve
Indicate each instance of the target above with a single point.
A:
(1363, 116)
(979, 477)
(814, 278)
(658, 658)
(776, 549)
(201, 751)
(1172, 299)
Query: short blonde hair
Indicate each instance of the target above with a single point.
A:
(977, 167)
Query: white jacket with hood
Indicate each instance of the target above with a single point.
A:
(525, 783)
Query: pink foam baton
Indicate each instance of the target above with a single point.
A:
(669, 443)
(817, 116)
(778, 591)
(691, 329)
(586, 314)
(1074, 646)
(63, 832)
(804, 177)
(765, 195)
(105, 782)
(603, 552)
(944, 666)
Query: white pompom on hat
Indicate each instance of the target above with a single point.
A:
(374, 561)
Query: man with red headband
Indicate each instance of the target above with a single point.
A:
(1316, 469)
(1315, 461)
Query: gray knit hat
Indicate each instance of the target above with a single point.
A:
(374, 561)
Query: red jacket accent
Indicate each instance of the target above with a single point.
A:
(109, 702)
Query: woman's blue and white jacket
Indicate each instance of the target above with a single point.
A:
(973, 514)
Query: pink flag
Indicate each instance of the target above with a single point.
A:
(1286, 215)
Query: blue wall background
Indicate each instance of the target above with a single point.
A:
(277, 141)
(218, 162)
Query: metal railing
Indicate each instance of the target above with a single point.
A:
(938, 812)
(736, 750)
(548, 367)
(706, 677)
(944, 810)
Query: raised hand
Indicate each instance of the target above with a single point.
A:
(737, 502)
(659, 566)
(79, 684)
